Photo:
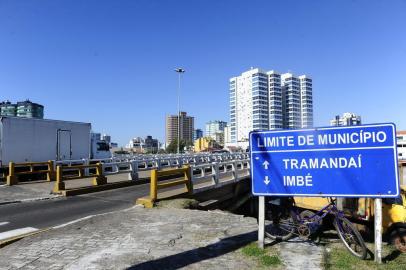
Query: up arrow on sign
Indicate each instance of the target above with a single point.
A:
(266, 163)
(266, 181)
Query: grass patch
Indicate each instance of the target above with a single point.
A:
(180, 203)
(339, 258)
(264, 257)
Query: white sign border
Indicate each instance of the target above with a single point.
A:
(328, 195)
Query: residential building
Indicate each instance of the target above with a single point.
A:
(266, 100)
(185, 125)
(151, 145)
(30, 110)
(22, 109)
(227, 135)
(146, 145)
(401, 143)
(219, 138)
(213, 127)
(197, 134)
(348, 119)
(205, 144)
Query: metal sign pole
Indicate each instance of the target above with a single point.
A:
(261, 222)
(378, 230)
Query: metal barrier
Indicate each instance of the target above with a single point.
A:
(155, 186)
(12, 178)
(98, 177)
(129, 164)
(121, 167)
(230, 171)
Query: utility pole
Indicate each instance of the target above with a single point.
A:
(179, 71)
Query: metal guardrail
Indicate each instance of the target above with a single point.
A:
(131, 165)
(12, 178)
(233, 171)
(98, 177)
(155, 186)
(220, 174)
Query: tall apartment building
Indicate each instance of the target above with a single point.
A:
(213, 127)
(26, 109)
(264, 100)
(348, 119)
(186, 126)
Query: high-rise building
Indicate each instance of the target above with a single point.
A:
(263, 100)
(348, 119)
(8, 109)
(26, 109)
(186, 127)
(213, 127)
(30, 110)
(197, 134)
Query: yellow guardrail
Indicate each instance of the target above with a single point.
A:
(12, 178)
(98, 177)
(155, 186)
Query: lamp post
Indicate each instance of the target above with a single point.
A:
(179, 71)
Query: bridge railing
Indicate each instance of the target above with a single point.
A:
(220, 173)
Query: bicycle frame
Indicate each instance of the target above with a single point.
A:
(322, 213)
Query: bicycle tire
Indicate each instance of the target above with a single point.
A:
(281, 224)
(349, 235)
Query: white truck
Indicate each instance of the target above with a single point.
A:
(38, 140)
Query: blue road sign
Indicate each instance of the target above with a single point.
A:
(351, 161)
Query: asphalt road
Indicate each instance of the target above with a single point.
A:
(49, 213)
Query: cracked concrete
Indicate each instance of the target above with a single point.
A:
(138, 238)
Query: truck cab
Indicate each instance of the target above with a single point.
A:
(100, 149)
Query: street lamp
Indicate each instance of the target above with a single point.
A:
(179, 71)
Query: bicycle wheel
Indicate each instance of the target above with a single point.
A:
(351, 238)
(281, 224)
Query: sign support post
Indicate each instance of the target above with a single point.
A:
(261, 222)
(378, 230)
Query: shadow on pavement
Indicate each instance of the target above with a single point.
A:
(186, 258)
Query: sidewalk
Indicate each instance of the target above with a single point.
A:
(138, 238)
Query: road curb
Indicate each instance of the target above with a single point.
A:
(13, 239)
(31, 200)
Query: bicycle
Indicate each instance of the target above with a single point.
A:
(285, 221)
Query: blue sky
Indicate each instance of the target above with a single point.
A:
(111, 62)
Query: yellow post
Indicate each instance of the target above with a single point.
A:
(11, 178)
(51, 171)
(154, 185)
(100, 179)
(188, 177)
(59, 184)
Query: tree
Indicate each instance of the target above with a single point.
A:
(173, 146)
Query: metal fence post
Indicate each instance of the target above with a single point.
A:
(378, 230)
(261, 222)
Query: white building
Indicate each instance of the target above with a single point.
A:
(348, 119)
(214, 127)
(261, 100)
(401, 143)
